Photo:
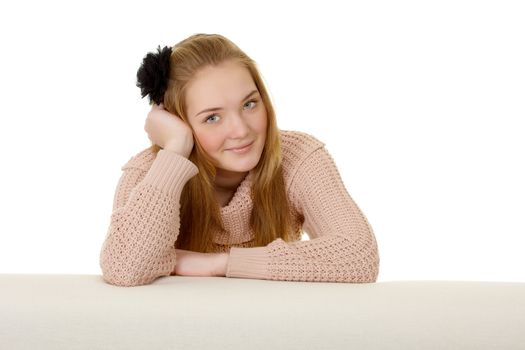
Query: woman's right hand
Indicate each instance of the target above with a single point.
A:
(169, 131)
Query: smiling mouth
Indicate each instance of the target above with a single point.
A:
(239, 148)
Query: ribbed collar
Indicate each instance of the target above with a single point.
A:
(236, 215)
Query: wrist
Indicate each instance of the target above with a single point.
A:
(222, 264)
(183, 148)
(177, 150)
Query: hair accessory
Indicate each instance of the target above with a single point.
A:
(153, 74)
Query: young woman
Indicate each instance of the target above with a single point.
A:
(222, 191)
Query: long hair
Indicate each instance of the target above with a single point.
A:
(199, 209)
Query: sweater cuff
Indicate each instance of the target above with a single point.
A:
(248, 263)
(170, 171)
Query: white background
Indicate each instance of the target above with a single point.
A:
(421, 104)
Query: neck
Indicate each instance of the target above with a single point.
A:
(227, 181)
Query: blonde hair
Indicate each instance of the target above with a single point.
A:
(200, 211)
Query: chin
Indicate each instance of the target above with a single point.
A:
(240, 164)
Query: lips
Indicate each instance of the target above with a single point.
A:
(246, 145)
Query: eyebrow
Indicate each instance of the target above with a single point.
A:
(213, 109)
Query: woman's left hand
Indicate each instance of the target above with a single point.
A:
(190, 263)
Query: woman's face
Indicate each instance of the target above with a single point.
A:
(226, 111)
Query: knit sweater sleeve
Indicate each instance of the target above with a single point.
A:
(342, 245)
(140, 243)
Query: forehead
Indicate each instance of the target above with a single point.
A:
(217, 86)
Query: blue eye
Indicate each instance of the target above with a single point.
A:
(215, 115)
(208, 117)
(254, 101)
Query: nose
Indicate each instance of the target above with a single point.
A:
(238, 127)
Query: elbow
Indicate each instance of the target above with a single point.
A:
(123, 268)
(120, 278)
(367, 272)
(373, 273)
(124, 280)
(371, 265)
(366, 268)
(116, 272)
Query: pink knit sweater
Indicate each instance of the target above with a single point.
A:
(139, 246)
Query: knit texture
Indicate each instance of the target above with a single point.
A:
(140, 243)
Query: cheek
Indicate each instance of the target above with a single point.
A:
(262, 121)
(211, 143)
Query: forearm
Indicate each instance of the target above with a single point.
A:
(189, 263)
